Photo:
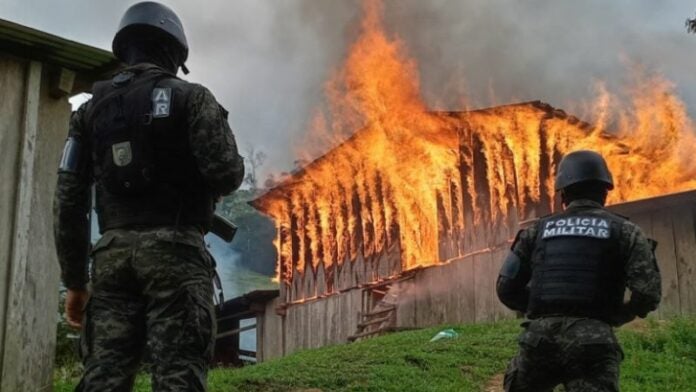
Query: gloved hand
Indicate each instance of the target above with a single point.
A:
(75, 303)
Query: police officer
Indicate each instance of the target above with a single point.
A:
(159, 152)
(568, 273)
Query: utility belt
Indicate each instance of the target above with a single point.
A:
(574, 315)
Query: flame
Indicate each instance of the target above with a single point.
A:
(401, 176)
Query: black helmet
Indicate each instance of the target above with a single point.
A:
(580, 166)
(150, 15)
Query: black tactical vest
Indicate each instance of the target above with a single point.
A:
(577, 265)
(144, 170)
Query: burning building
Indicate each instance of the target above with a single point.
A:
(405, 221)
(363, 249)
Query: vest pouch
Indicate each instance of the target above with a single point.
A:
(122, 146)
(127, 174)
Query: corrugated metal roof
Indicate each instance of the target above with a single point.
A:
(88, 62)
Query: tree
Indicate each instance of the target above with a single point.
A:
(254, 159)
(254, 239)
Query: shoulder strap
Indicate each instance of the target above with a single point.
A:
(100, 100)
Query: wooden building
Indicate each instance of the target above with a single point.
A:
(38, 73)
(371, 289)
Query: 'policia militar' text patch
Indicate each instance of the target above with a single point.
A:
(577, 226)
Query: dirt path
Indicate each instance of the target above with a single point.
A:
(495, 384)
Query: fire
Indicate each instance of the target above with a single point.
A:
(402, 177)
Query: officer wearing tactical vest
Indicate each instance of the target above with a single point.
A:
(160, 153)
(568, 273)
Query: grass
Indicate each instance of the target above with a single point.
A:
(660, 356)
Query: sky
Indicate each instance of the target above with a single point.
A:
(267, 61)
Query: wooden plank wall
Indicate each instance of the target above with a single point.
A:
(462, 291)
(318, 323)
(673, 225)
(270, 333)
(322, 281)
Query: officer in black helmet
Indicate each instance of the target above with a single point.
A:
(160, 153)
(568, 273)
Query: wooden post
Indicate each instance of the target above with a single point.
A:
(34, 126)
(15, 328)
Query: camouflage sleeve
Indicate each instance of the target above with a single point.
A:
(71, 205)
(524, 245)
(511, 286)
(642, 272)
(212, 143)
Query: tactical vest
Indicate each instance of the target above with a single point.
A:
(144, 170)
(577, 265)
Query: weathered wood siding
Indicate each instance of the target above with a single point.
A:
(34, 126)
(270, 333)
(12, 80)
(462, 291)
(671, 221)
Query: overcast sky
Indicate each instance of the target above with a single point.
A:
(267, 60)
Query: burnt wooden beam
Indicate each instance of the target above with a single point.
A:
(545, 169)
(482, 191)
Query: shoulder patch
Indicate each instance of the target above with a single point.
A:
(122, 78)
(161, 102)
(576, 226)
(122, 154)
(70, 160)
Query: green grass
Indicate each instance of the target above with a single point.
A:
(660, 356)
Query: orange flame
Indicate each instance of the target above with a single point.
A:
(412, 178)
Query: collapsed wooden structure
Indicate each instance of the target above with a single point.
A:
(369, 290)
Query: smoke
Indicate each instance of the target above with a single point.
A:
(479, 53)
(491, 52)
(268, 61)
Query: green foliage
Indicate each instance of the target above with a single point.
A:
(254, 239)
(661, 356)
(66, 339)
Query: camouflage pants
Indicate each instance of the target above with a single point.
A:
(582, 354)
(151, 296)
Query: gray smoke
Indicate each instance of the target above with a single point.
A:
(267, 61)
(498, 51)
